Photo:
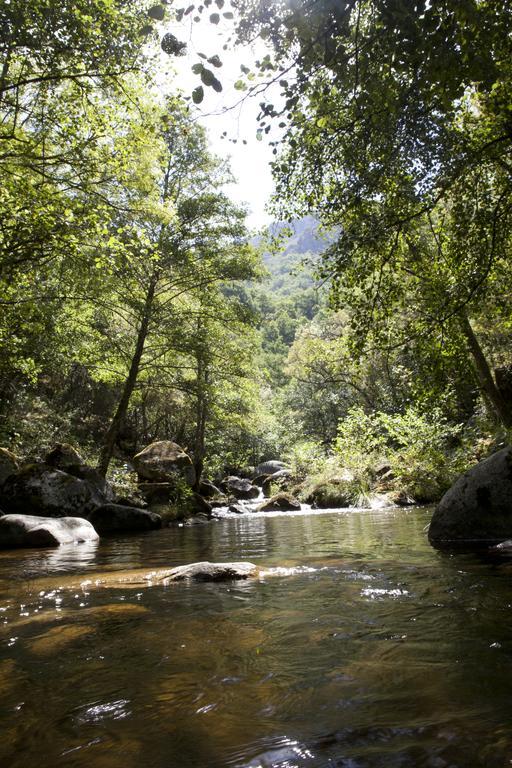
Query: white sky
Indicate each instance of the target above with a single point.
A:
(250, 162)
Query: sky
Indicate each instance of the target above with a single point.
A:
(217, 113)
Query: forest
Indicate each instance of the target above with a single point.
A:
(168, 369)
(136, 306)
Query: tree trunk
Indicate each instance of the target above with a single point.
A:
(484, 375)
(129, 385)
(201, 415)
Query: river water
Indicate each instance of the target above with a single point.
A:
(359, 646)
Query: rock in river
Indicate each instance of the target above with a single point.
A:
(114, 518)
(281, 502)
(477, 510)
(206, 571)
(32, 531)
(39, 489)
(163, 462)
(269, 467)
(240, 488)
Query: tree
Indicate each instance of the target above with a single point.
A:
(181, 244)
(397, 129)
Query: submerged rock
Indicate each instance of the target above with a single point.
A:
(115, 518)
(281, 502)
(8, 464)
(39, 489)
(477, 510)
(32, 531)
(240, 488)
(206, 571)
(163, 462)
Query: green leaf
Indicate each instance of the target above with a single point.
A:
(214, 18)
(215, 61)
(197, 68)
(228, 15)
(207, 76)
(157, 12)
(198, 94)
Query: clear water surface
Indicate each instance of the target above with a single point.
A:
(359, 646)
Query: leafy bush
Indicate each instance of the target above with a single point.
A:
(424, 451)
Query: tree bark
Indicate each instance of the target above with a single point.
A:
(129, 385)
(484, 375)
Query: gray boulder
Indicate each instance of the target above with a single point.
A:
(206, 571)
(281, 502)
(8, 464)
(240, 488)
(163, 462)
(114, 518)
(41, 490)
(477, 509)
(32, 531)
(208, 489)
(269, 467)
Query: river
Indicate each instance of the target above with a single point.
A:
(359, 646)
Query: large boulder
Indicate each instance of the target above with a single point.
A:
(281, 502)
(269, 467)
(164, 462)
(8, 464)
(477, 509)
(208, 489)
(41, 490)
(66, 458)
(206, 571)
(329, 494)
(115, 518)
(32, 531)
(240, 488)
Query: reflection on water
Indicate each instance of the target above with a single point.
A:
(359, 646)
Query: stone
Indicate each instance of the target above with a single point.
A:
(8, 464)
(260, 480)
(208, 489)
(39, 489)
(281, 478)
(164, 462)
(477, 509)
(32, 531)
(206, 571)
(240, 488)
(330, 494)
(269, 467)
(115, 518)
(63, 456)
(503, 548)
(199, 506)
(94, 478)
(156, 493)
(281, 502)
(236, 509)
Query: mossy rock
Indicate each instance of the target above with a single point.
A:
(329, 495)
